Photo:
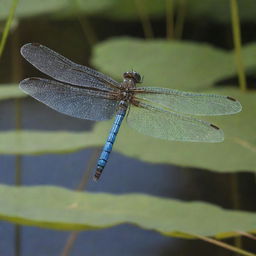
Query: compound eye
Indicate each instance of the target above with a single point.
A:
(137, 77)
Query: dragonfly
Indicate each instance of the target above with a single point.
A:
(85, 93)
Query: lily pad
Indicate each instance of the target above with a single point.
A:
(176, 64)
(28, 8)
(59, 208)
(44, 142)
(32, 7)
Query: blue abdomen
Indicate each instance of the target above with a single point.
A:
(109, 144)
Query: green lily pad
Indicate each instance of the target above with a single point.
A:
(236, 153)
(28, 8)
(32, 7)
(11, 91)
(181, 65)
(59, 208)
(44, 142)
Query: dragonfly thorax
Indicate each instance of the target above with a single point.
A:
(127, 95)
(129, 83)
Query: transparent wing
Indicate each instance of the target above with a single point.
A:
(62, 69)
(190, 103)
(71, 100)
(171, 126)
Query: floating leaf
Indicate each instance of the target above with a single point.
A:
(59, 208)
(42, 142)
(236, 153)
(32, 7)
(181, 65)
(11, 91)
(28, 8)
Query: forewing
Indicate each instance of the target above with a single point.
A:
(63, 69)
(71, 100)
(190, 103)
(168, 125)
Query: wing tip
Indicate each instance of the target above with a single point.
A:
(24, 48)
(24, 84)
(237, 107)
(219, 132)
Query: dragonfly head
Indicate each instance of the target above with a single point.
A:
(133, 75)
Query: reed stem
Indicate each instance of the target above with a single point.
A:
(222, 244)
(144, 18)
(8, 25)
(180, 20)
(169, 19)
(237, 43)
(81, 186)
